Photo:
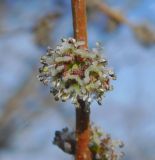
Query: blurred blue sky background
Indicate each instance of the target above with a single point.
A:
(28, 114)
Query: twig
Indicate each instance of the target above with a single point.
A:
(83, 111)
(80, 20)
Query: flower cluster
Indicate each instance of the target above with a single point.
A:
(103, 147)
(74, 72)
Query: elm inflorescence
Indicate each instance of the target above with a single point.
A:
(75, 73)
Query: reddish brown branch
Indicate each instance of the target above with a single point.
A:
(82, 113)
(82, 132)
(80, 20)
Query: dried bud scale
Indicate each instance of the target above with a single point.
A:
(65, 140)
(74, 72)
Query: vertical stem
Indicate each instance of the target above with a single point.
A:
(83, 112)
(82, 131)
(80, 20)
